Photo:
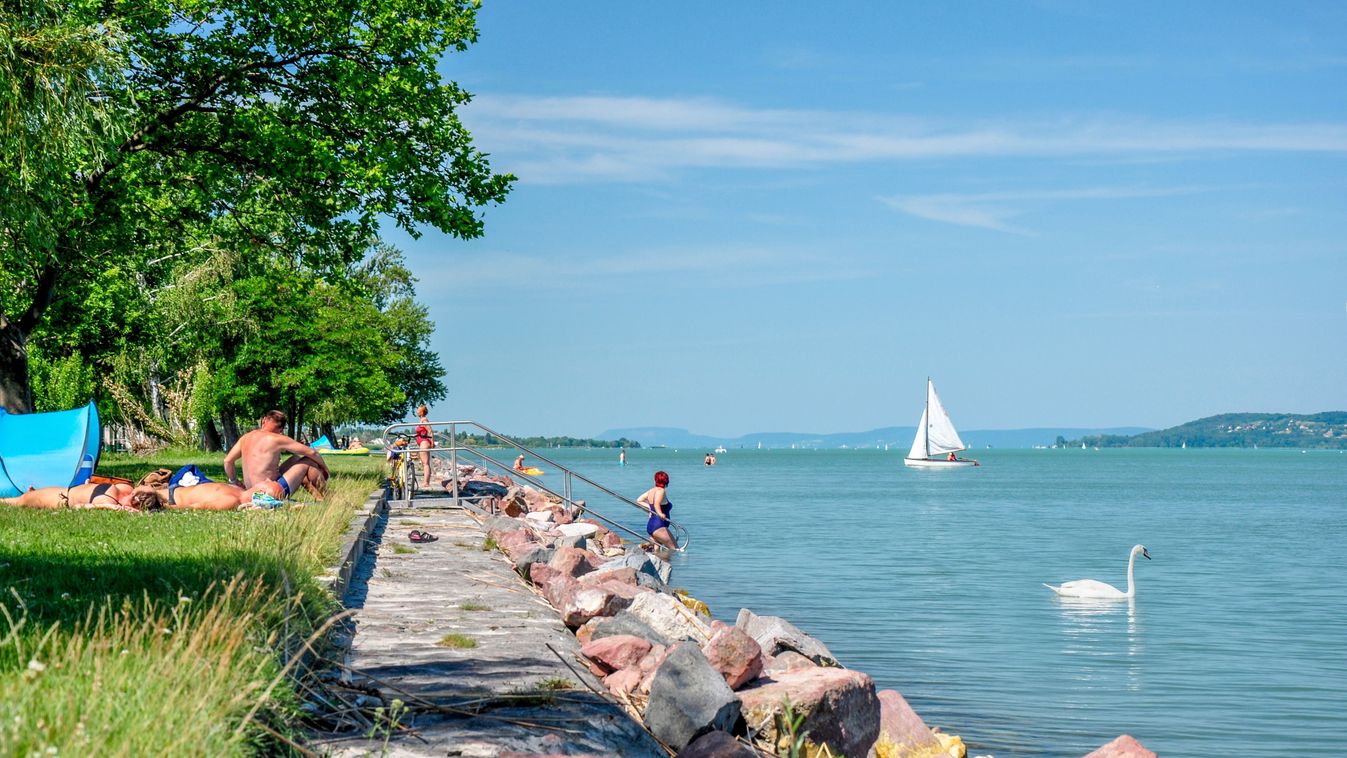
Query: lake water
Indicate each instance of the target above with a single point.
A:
(931, 582)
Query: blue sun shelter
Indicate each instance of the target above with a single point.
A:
(58, 449)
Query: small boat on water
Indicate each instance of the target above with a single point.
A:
(937, 443)
(721, 449)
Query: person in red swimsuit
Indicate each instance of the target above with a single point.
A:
(424, 439)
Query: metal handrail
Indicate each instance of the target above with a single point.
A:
(454, 448)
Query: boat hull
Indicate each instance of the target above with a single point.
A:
(933, 463)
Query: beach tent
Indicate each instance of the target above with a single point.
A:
(58, 449)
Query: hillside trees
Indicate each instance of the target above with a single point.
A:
(256, 147)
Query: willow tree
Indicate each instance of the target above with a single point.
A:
(293, 128)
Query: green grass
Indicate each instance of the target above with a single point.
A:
(457, 641)
(166, 633)
(403, 549)
(473, 607)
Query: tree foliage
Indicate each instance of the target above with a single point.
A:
(280, 134)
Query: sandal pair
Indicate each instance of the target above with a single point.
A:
(419, 536)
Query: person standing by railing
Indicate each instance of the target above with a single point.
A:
(657, 503)
(424, 440)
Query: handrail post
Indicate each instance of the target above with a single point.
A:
(453, 462)
(569, 500)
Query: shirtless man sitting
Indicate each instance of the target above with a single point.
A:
(261, 451)
(116, 497)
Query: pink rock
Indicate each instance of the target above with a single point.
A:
(624, 575)
(901, 725)
(573, 561)
(539, 573)
(513, 508)
(534, 499)
(611, 540)
(514, 539)
(623, 590)
(839, 707)
(786, 660)
(616, 652)
(650, 665)
(563, 518)
(586, 631)
(558, 590)
(1123, 746)
(625, 681)
(737, 656)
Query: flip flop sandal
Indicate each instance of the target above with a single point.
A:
(419, 536)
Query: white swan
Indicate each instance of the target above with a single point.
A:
(1093, 589)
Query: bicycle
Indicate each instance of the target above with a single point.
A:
(402, 476)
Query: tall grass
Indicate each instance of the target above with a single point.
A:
(161, 634)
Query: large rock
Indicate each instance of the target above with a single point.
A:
(776, 634)
(622, 574)
(573, 561)
(670, 619)
(717, 744)
(688, 698)
(537, 554)
(625, 681)
(840, 708)
(581, 603)
(900, 726)
(1123, 746)
(786, 660)
(558, 588)
(616, 652)
(733, 653)
(624, 623)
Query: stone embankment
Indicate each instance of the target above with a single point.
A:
(447, 629)
(696, 683)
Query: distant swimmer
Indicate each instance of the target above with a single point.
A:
(622, 457)
(519, 463)
(710, 460)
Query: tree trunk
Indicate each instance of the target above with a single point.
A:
(16, 395)
(231, 428)
(210, 438)
(327, 430)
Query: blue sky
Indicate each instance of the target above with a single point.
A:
(740, 217)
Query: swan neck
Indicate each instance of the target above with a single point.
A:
(1131, 561)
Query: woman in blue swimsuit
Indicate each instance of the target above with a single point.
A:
(655, 501)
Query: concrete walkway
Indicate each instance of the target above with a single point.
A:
(501, 690)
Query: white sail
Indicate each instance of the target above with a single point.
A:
(919, 444)
(936, 436)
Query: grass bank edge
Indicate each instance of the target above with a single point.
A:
(124, 634)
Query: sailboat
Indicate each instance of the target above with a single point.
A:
(937, 442)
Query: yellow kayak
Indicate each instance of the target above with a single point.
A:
(532, 471)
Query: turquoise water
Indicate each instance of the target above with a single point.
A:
(932, 583)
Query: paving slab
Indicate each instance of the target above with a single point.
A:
(492, 694)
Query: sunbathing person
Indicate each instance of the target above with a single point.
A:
(116, 497)
(260, 451)
(207, 496)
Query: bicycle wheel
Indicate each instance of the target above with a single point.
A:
(409, 481)
(395, 480)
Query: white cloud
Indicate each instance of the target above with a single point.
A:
(993, 210)
(641, 139)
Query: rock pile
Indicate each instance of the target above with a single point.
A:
(696, 683)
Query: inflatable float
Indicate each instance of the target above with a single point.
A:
(324, 447)
(531, 471)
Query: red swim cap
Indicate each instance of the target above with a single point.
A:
(661, 479)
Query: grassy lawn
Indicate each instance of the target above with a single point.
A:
(163, 634)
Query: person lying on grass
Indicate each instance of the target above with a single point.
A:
(208, 496)
(117, 497)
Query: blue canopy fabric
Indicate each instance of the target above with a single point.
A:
(58, 449)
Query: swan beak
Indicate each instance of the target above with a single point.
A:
(1145, 554)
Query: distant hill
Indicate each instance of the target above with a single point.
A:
(1318, 430)
(894, 436)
